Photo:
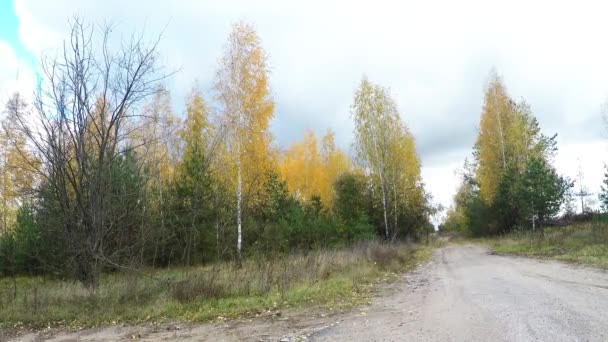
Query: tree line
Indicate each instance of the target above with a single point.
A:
(99, 173)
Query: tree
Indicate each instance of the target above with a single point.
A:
(17, 163)
(386, 149)
(351, 205)
(376, 121)
(335, 164)
(83, 110)
(157, 144)
(194, 183)
(311, 168)
(409, 202)
(243, 91)
(543, 191)
(511, 181)
(302, 169)
(491, 145)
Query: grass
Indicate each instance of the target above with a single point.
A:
(336, 279)
(583, 243)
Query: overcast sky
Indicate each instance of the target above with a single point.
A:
(434, 55)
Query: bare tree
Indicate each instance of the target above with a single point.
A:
(582, 192)
(79, 132)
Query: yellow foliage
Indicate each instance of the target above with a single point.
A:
(309, 172)
(248, 108)
(496, 118)
(17, 164)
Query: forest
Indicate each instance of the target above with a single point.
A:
(100, 174)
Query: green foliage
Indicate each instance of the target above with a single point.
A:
(511, 182)
(23, 248)
(543, 189)
(351, 205)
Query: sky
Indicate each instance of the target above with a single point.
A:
(434, 55)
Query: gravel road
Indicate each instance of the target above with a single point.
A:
(463, 294)
(467, 294)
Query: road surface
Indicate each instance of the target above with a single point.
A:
(467, 294)
(463, 294)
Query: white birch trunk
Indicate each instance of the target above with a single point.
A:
(386, 233)
(239, 200)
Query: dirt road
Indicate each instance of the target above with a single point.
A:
(470, 295)
(464, 294)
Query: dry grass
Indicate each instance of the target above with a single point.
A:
(585, 243)
(336, 278)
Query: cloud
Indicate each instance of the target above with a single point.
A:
(434, 55)
(15, 75)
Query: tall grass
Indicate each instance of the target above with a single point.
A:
(335, 278)
(585, 243)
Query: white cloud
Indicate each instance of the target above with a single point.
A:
(15, 76)
(435, 55)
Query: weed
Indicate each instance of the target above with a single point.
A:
(337, 278)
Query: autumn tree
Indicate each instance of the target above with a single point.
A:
(386, 149)
(302, 169)
(311, 167)
(409, 204)
(511, 182)
(194, 185)
(335, 164)
(17, 163)
(244, 93)
(491, 148)
(376, 121)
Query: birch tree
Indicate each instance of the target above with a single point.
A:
(491, 145)
(244, 92)
(376, 126)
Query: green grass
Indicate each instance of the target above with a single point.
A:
(583, 243)
(335, 279)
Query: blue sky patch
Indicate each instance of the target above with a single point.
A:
(9, 31)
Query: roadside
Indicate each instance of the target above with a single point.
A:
(585, 244)
(323, 284)
(465, 293)
(281, 325)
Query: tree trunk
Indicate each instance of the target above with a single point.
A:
(217, 237)
(239, 199)
(396, 228)
(386, 233)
